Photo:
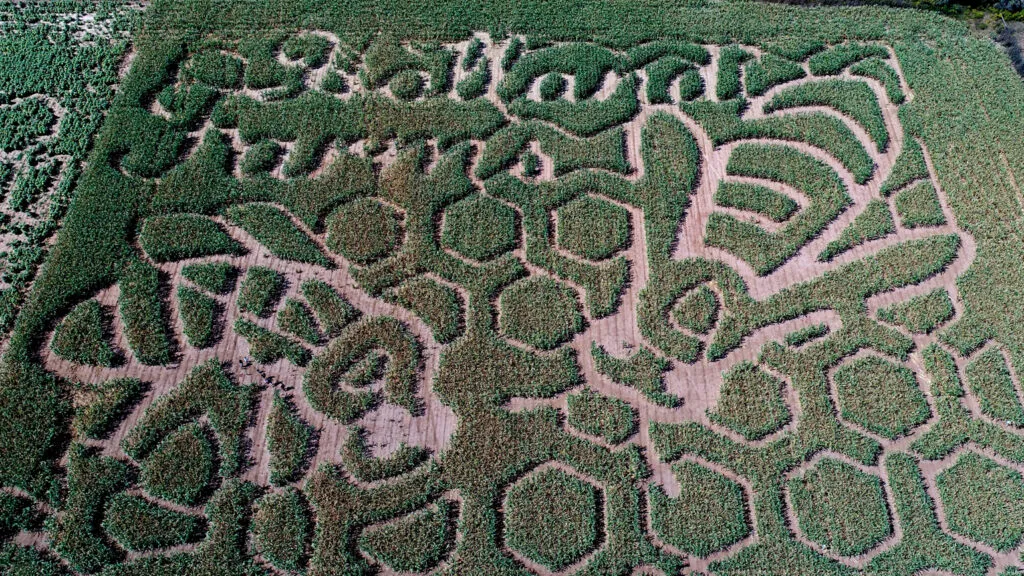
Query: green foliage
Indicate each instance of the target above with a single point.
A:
(268, 347)
(365, 468)
(312, 48)
(796, 49)
(332, 311)
(82, 336)
(766, 251)
(414, 543)
(216, 277)
(103, 406)
(474, 51)
(479, 227)
(512, 53)
(909, 166)
(273, 229)
(873, 223)
(357, 340)
(216, 69)
(697, 311)
(730, 58)
(660, 75)
(852, 98)
(439, 306)
(835, 59)
(551, 518)
(406, 85)
(643, 371)
(17, 514)
(289, 440)
(552, 86)
(261, 290)
(878, 69)
(840, 508)
(593, 228)
(989, 379)
(297, 320)
(708, 515)
(205, 391)
(282, 529)
(919, 206)
(982, 500)
(541, 312)
(75, 534)
(805, 335)
(475, 85)
(198, 316)
(587, 63)
(921, 314)
(583, 117)
(881, 396)
(24, 561)
(182, 236)
(364, 231)
(750, 402)
(142, 311)
(770, 71)
(261, 157)
(608, 418)
(763, 200)
(603, 151)
(140, 525)
(180, 469)
(386, 58)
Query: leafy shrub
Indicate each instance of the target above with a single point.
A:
(919, 206)
(103, 406)
(268, 347)
(593, 228)
(551, 518)
(140, 525)
(365, 468)
(541, 312)
(180, 469)
(708, 516)
(765, 201)
(82, 336)
(982, 500)
(142, 311)
(273, 229)
(609, 418)
(479, 227)
(643, 371)
(750, 402)
(282, 529)
(332, 311)
(439, 306)
(289, 440)
(17, 514)
(297, 320)
(261, 289)
(333, 82)
(881, 396)
(873, 223)
(840, 508)
(989, 379)
(415, 543)
(216, 277)
(850, 97)
(697, 311)
(198, 316)
(364, 230)
(181, 236)
(921, 314)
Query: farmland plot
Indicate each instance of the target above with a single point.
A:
(512, 303)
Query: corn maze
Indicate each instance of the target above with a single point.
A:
(346, 292)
